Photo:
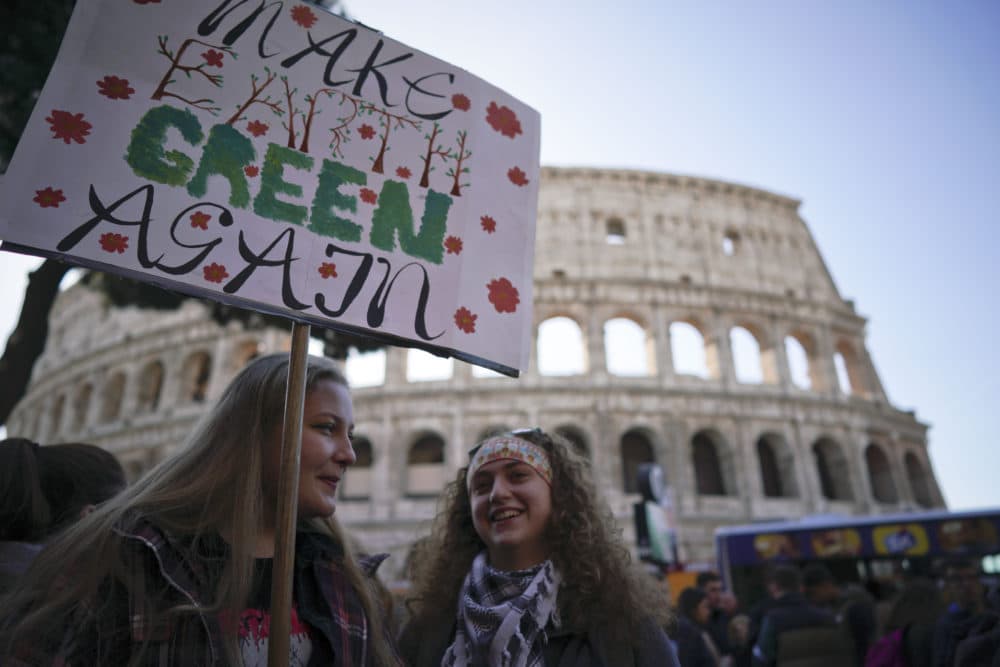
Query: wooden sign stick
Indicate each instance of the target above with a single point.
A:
(279, 643)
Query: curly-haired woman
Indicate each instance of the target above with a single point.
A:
(525, 567)
(176, 570)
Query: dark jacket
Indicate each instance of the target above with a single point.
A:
(15, 557)
(164, 570)
(692, 651)
(790, 613)
(424, 642)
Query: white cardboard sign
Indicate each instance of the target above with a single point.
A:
(280, 158)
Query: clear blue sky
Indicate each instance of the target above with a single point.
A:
(882, 117)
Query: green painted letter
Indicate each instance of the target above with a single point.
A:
(328, 197)
(395, 215)
(145, 152)
(226, 153)
(266, 204)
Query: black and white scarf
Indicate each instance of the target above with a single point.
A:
(502, 616)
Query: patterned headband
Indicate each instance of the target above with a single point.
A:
(504, 447)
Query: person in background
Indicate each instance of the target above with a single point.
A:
(718, 600)
(852, 608)
(695, 647)
(176, 570)
(909, 627)
(965, 598)
(525, 567)
(45, 489)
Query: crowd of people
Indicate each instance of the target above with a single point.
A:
(524, 565)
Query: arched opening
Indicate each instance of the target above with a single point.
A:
(81, 405)
(687, 347)
(710, 479)
(576, 438)
(195, 375)
(777, 467)
(357, 483)
(560, 347)
(615, 229)
(365, 369)
(244, 353)
(111, 397)
(627, 348)
(849, 373)
(425, 466)
(730, 243)
(832, 469)
(423, 366)
(920, 482)
(636, 449)
(747, 362)
(799, 367)
(150, 384)
(880, 475)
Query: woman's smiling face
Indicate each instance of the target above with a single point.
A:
(511, 508)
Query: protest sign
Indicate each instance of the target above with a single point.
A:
(280, 158)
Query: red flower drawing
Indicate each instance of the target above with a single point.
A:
(251, 170)
(215, 273)
(114, 88)
(517, 177)
(465, 320)
(488, 223)
(368, 196)
(199, 219)
(503, 295)
(49, 198)
(257, 128)
(453, 245)
(366, 131)
(503, 120)
(328, 270)
(303, 16)
(212, 58)
(403, 172)
(111, 242)
(68, 126)
(460, 102)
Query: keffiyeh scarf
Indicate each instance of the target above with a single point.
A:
(502, 616)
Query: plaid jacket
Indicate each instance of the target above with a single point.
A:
(110, 630)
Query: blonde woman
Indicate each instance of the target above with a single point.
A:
(176, 570)
(525, 568)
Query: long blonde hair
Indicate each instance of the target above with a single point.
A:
(601, 586)
(211, 488)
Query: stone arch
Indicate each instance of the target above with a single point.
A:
(832, 469)
(636, 448)
(81, 406)
(196, 372)
(850, 374)
(748, 358)
(150, 385)
(919, 479)
(710, 458)
(628, 348)
(803, 366)
(689, 350)
(777, 466)
(880, 475)
(561, 348)
(357, 483)
(425, 475)
(576, 437)
(614, 231)
(245, 352)
(112, 395)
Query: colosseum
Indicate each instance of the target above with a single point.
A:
(678, 320)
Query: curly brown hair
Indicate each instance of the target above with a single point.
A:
(601, 586)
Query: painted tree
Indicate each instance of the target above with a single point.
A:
(432, 152)
(459, 155)
(255, 98)
(211, 58)
(387, 121)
